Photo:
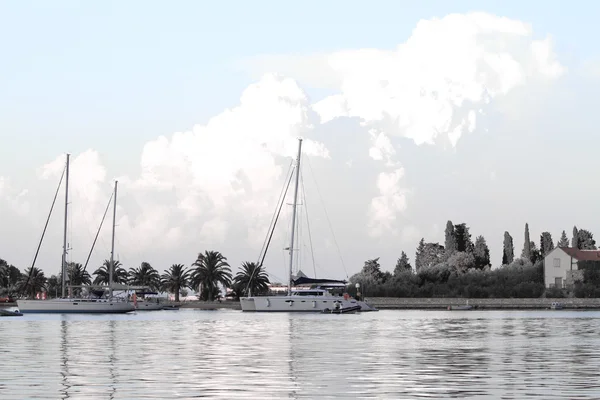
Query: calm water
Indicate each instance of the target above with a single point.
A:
(230, 354)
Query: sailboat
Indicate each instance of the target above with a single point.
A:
(101, 305)
(319, 297)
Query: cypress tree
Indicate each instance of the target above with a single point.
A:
(450, 242)
(508, 255)
(526, 254)
(564, 240)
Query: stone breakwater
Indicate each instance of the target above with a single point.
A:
(490, 304)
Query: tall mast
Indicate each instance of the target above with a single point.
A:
(294, 215)
(112, 246)
(64, 254)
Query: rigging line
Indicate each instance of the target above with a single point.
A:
(327, 216)
(271, 224)
(98, 232)
(312, 253)
(274, 220)
(44, 231)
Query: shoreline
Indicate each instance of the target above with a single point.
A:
(433, 303)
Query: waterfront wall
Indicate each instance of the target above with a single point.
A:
(443, 303)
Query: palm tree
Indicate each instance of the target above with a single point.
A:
(36, 282)
(174, 279)
(252, 279)
(102, 274)
(77, 276)
(144, 275)
(211, 269)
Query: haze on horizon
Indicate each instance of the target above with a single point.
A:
(478, 113)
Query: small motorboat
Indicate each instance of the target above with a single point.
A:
(340, 310)
(171, 307)
(10, 313)
(459, 307)
(556, 306)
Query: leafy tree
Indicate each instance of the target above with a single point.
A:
(546, 243)
(534, 253)
(564, 241)
(450, 242)
(463, 238)
(481, 253)
(526, 254)
(35, 283)
(462, 261)
(175, 278)
(402, 264)
(211, 270)
(585, 240)
(9, 277)
(372, 269)
(102, 274)
(252, 279)
(508, 253)
(432, 254)
(144, 275)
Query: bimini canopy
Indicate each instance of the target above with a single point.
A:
(303, 280)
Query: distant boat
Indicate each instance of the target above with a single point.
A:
(147, 304)
(316, 299)
(10, 313)
(556, 306)
(78, 305)
(347, 310)
(461, 307)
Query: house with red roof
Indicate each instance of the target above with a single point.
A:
(560, 265)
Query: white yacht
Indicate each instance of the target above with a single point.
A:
(104, 305)
(321, 297)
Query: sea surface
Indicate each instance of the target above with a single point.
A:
(227, 354)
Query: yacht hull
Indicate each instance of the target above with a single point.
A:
(74, 306)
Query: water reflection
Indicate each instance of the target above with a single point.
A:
(229, 354)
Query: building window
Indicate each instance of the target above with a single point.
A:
(557, 262)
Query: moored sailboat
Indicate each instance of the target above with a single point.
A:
(99, 305)
(321, 295)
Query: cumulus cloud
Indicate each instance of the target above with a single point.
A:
(385, 207)
(219, 180)
(436, 82)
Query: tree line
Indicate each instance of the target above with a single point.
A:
(462, 268)
(206, 275)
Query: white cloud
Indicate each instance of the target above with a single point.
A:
(431, 85)
(203, 186)
(382, 148)
(385, 207)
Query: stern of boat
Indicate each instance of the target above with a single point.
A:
(247, 304)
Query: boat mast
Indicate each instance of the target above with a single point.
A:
(294, 216)
(112, 246)
(64, 255)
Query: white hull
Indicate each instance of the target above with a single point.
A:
(295, 303)
(79, 306)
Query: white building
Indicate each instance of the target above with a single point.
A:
(560, 263)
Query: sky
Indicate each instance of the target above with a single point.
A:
(412, 114)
